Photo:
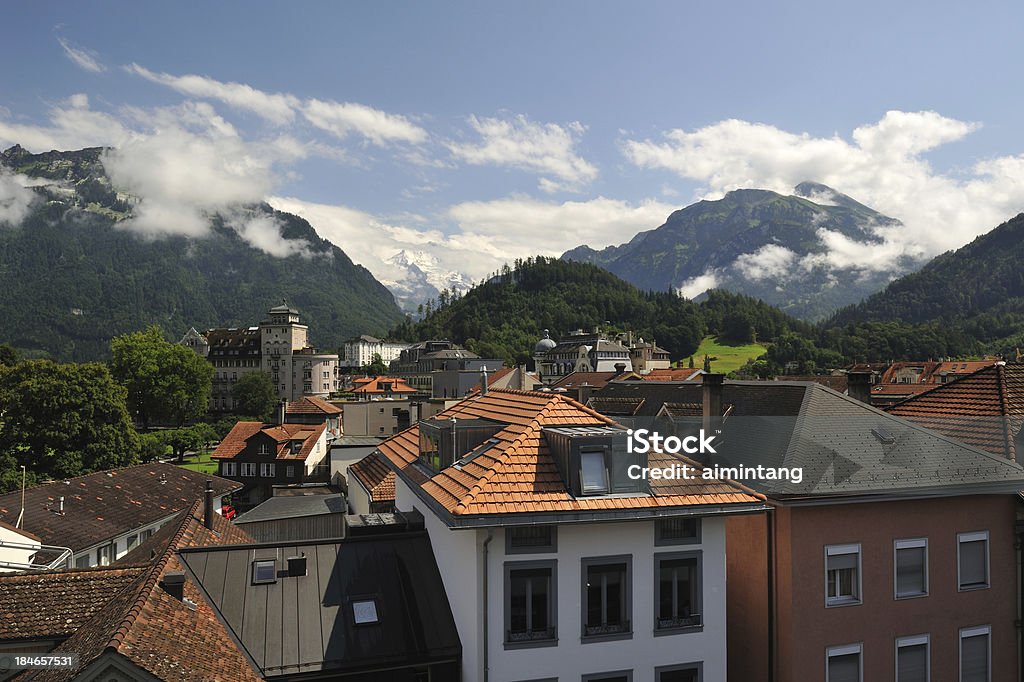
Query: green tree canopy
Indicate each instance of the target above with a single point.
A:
(166, 383)
(63, 420)
(376, 367)
(255, 394)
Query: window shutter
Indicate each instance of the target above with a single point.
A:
(845, 668)
(910, 570)
(841, 561)
(912, 664)
(974, 659)
(972, 563)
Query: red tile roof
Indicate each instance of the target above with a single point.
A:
(518, 474)
(595, 379)
(984, 409)
(376, 477)
(373, 386)
(235, 442)
(312, 404)
(155, 631)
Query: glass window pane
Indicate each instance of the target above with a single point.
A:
(595, 475)
(678, 676)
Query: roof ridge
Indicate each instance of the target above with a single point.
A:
(94, 473)
(938, 387)
(147, 585)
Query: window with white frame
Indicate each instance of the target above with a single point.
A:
(972, 560)
(264, 449)
(229, 468)
(912, 659)
(267, 470)
(842, 575)
(593, 472)
(843, 664)
(911, 567)
(290, 471)
(248, 468)
(976, 654)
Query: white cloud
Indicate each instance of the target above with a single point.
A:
(546, 149)
(263, 232)
(72, 125)
(83, 59)
(276, 108)
(771, 261)
(695, 286)
(341, 119)
(15, 198)
(883, 165)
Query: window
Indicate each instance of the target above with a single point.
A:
(684, 531)
(975, 654)
(530, 604)
(911, 562)
(607, 597)
(132, 540)
(290, 471)
(912, 663)
(83, 560)
(843, 664)
(267, 470)
(529, 539)
(593, 472)
(842, 575)
(248, 468)
(146, 534)
(364, 612)
(972, 560)
(264, 571)
(229, 468)
(619, 676)
(105, 554)
(690, 672)
(677, 596)
(264, 449)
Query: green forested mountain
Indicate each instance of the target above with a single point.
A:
(975, 292)
(754, 242)
(505, 316)
(72, 278)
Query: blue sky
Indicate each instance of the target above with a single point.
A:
(478, 132)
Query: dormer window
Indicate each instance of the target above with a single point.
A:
(264, 449)
(593, 471)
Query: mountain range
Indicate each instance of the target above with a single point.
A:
(75, 272)
(759, 243)
(424, 280)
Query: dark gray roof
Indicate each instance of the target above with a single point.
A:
(305, 624)
(355, 441)
(293, 507)
(842, 447)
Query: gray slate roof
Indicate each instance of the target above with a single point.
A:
(291, 507)
(844, 447)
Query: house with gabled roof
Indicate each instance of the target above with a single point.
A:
(894, 549)
(260, 455)
(558, 563)
(102, 516)
(371, 487)
(142, 619)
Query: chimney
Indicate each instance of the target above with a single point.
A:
(858, 386)
(711, 409)
(208, 505)
(174, 584)
(483, 380)
(60, 500)
(620, 367)
(282, 409)
(584, 392)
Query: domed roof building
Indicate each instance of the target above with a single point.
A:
(544, 345)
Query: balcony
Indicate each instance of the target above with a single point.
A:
(607, 629)
(527, 636)
(691, 621)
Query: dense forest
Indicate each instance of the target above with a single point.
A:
(506, 316)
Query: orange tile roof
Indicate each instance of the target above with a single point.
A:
(235, 442)
(984, 409)
(312, 404)
(376, 477)
(398, 385)
(518, 474)
(154, 630)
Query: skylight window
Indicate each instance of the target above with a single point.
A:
(264, 571)
(593, 472)
(364, 612)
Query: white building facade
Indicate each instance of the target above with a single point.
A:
(359, 352)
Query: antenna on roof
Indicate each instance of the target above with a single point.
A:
(21, 516)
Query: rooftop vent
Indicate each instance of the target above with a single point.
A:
(296, 566)
(884, 437)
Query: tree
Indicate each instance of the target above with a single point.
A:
(63, 420)
(376, 367)
(8, 355)
(166, 382)
(255, 394)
